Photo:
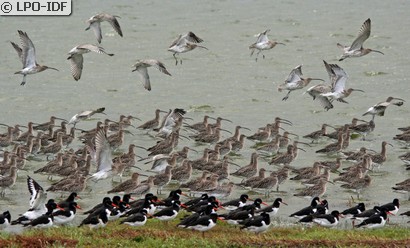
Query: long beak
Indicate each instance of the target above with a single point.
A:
(139, 169)
(377, 51)
(126, 131)
(87, 28)
(225, 130)
(299, 142)
(58, 118)
(226, 120)
(192, 150)
(284, 120)
(293, 134)
(212, 118)
(358, 90)
(202, 47)
(246, 128)
(398, 99)
(1, 124)
(284, 203)
(281, 43)
(135, 118)
(318, 79)
(390, 144)
(302, 149)
(264, 203)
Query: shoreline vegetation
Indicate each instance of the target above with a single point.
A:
(158, 234)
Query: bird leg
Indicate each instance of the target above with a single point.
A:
(176, 60)
(286, 97)
(24, 80)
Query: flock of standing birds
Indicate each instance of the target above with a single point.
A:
(172, 168)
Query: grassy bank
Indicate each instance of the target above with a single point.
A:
(158, 234)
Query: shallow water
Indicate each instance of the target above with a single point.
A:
(226, 78)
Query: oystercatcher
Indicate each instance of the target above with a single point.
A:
(257, 224)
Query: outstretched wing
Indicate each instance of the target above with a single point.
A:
(103, 152)
(363, 35)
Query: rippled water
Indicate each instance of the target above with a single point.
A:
(226, 78)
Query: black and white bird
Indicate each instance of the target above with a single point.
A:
(204, 223)
(257, 224)
(97, 221)
(392, 207)
(5, 219)
(65, 216)
(138, 219)
(45, 220)
(350, 212)
(327, 220)
(37, 203)
(376, 220)
(208, 209)
(307, 210)
(169, 213)
(237, 203)
(272, 209)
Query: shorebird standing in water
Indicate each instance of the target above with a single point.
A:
(142, 65)
(356, 49)
(379, 108)
(95, 24)
(263, 43)
(295, 81)
(27, 55)
(76, 57)
(185, 43)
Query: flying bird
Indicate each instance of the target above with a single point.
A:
(356, 49)
(27, 55)
(95, 24)
(295, 81)
(263, 43)
(76, 57)
(142, 65)
(185, 43)
(379, 108)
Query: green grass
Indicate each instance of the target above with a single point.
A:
(159, 234)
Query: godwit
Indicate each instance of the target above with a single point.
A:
(379, 158)
(379, 108)
(364, 129)
(271, 147)
(338, 81)
(318, 189)
(142, 65)
(183, 153)
(127, 186)
(263, 43)
(313, 180)
(295, 81)
(46, 125)
(85, 115)
(359, 184)
(8, 181)
(334, 147)
(27, 55)
(356, 49)
(95, 24)
(76, 57)
(316, 135)
(151, 124)
(267, 184)
(183, 173)
(195, 183)
(54, 147)
(285, 158)
(249, 170)
(144, 188)
(308, 172)
(263, 135)
(238, 145)
(163, 179)
(332, 165)
(185, 43)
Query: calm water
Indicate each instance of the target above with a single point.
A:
(226, 78)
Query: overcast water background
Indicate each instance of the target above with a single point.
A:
(224, 77)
